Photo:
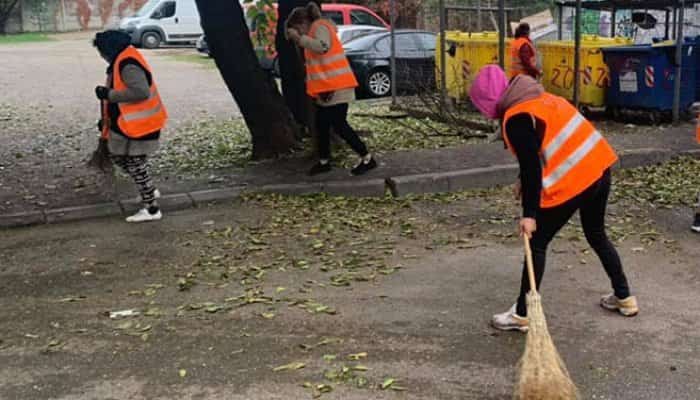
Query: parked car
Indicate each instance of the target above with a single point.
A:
(163, 21)
(370, 59)
(347, 33)
(352, 14)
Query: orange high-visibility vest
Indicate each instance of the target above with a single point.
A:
(574, 154)
(516, 64)
(697, 130)
(142, 118)
(331, 71)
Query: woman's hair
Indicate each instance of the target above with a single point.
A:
(522, 30)
(302, 15)
(111, 42)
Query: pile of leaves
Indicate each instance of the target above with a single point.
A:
(207, 144)
(675, 183)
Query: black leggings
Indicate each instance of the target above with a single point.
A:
(591, 204)
(336, 117)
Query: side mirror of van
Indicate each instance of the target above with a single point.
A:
(157, 14)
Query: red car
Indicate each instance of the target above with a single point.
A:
(352, 14)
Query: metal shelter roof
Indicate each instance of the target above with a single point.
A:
(609, 5)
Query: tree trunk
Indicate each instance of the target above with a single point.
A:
(271, 126)
(6, 7)
(291, 66)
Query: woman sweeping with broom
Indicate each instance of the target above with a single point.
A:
(564, 167)
(132, 116)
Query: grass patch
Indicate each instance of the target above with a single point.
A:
(24, 38)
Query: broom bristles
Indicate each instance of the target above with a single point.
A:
(542, 374)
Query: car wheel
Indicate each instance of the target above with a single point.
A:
(150, 40)
(379, 83)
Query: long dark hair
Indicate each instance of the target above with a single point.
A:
(303, 15)
(522, 30)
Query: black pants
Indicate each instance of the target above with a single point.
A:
(336, 117)
(591, 204)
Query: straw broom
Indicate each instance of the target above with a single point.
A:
(542, 374)
(100, 157)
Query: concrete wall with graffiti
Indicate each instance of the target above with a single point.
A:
(70, 15)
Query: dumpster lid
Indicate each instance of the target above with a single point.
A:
(609, 5)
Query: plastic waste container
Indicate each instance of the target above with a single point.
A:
(466, 54)
(454, 53)
(643, 77)
(558, 68)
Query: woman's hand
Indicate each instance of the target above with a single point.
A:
(528, 226)
(293, 35)
(326, 96)
(102, 92)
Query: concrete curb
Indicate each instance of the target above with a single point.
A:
(451, 181)
(82, 212)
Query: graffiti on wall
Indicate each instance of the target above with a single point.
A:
(104, 10)
(82, 14)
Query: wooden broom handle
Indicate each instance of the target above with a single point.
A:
(530, 267)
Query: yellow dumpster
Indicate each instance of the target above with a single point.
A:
(471, 52)
(558, 68)
(453, 55)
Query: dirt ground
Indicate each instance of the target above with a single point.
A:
(343, 293)
(48, 114)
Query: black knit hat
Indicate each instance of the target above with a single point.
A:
(112, 42)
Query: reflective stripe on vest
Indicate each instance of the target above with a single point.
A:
(582, 151)
(516, 64)
(141, 118)
(331, 71)
(573, 153)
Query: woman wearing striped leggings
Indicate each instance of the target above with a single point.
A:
(134, 116)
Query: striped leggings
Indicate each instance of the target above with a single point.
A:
(137, 168)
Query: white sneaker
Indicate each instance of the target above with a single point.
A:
(144, 216)
(156, 194)
(510, 321)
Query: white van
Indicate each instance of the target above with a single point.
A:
(163, 21)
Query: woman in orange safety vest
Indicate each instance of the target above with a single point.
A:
(330, 82)
(523, 54)
(564, 167)
(133, 115)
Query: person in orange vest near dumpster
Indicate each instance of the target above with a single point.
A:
(696, 224)
(330, 81)
(564, 167)
(523, 53)
(134, 117)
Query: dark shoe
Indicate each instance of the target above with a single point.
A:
(364, 167)
(320, 169)
(696, 225)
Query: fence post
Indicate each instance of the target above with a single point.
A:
(577, 53)
(679, 65)
(443, 75)
(501, 33)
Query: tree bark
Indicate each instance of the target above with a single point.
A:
(6, 7)
(291, 66)
(272, 129)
